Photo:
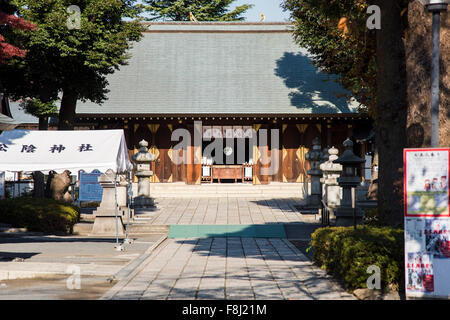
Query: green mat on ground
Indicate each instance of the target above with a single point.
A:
(243, 231)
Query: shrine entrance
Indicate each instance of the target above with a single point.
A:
(227, 154)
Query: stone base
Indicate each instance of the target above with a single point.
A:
(106, 226)
(104, 212)
(140, 212)
(344, 217)
(309, 210)
(144, 202)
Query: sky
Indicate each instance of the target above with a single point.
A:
(271, 9)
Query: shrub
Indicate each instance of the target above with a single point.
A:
(44, 215)
(347, 253)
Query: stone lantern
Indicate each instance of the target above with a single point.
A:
(331, 172)
(348, 180)
(142, 171)
(314, 157)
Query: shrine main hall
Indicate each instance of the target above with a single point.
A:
(225, 82)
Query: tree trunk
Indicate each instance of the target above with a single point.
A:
(418, 52)
(391, 112)
(67, 110)
(43, 123)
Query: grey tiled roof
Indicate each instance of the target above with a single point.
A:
(219, 68)
(19, 114)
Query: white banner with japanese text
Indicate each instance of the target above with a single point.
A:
(33, 150)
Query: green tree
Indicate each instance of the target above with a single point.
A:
(203, 10)
(41, 110)
(371, 64)
(69, 57)
(335, 34)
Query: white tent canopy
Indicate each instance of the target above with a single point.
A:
(30, 150)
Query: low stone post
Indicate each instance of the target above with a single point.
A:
(142, 171)
(331, 172)
(105, 215)
(348, 180)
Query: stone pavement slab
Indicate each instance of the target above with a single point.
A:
(38, 267)
(229, 268)
(198, 210)
(32, 256)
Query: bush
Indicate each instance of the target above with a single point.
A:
(44, 215)
(347, 253)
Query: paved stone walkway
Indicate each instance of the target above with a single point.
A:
(227, 268)
(197, 211)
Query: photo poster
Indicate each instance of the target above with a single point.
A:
(427, 222)
(426, 182)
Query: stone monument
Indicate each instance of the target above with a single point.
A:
(142, 171)
(107, 220)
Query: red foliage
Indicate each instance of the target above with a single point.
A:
(15, 22)
(7, 51)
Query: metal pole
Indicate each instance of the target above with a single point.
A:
(129, 178)
(117, 209)
(354, 207)
(435, 80)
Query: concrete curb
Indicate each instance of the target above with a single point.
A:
(131, 269)
(29, 270)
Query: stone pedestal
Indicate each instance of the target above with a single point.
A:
(105, 216)
(143, 199)
(122, 195)
(143, 202)
(314, 199)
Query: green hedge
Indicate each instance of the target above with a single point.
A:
(347, 253)
(44, 215)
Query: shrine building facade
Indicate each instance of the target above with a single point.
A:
(228, 99)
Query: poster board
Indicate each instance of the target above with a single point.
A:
(427, 222)
(90, 189)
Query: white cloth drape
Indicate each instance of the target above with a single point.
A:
(30, 150)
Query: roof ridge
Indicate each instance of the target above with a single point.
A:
(215, 23)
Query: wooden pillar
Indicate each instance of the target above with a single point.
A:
(277, 153)
(256, 157)
(328, 133)
(194, 154)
